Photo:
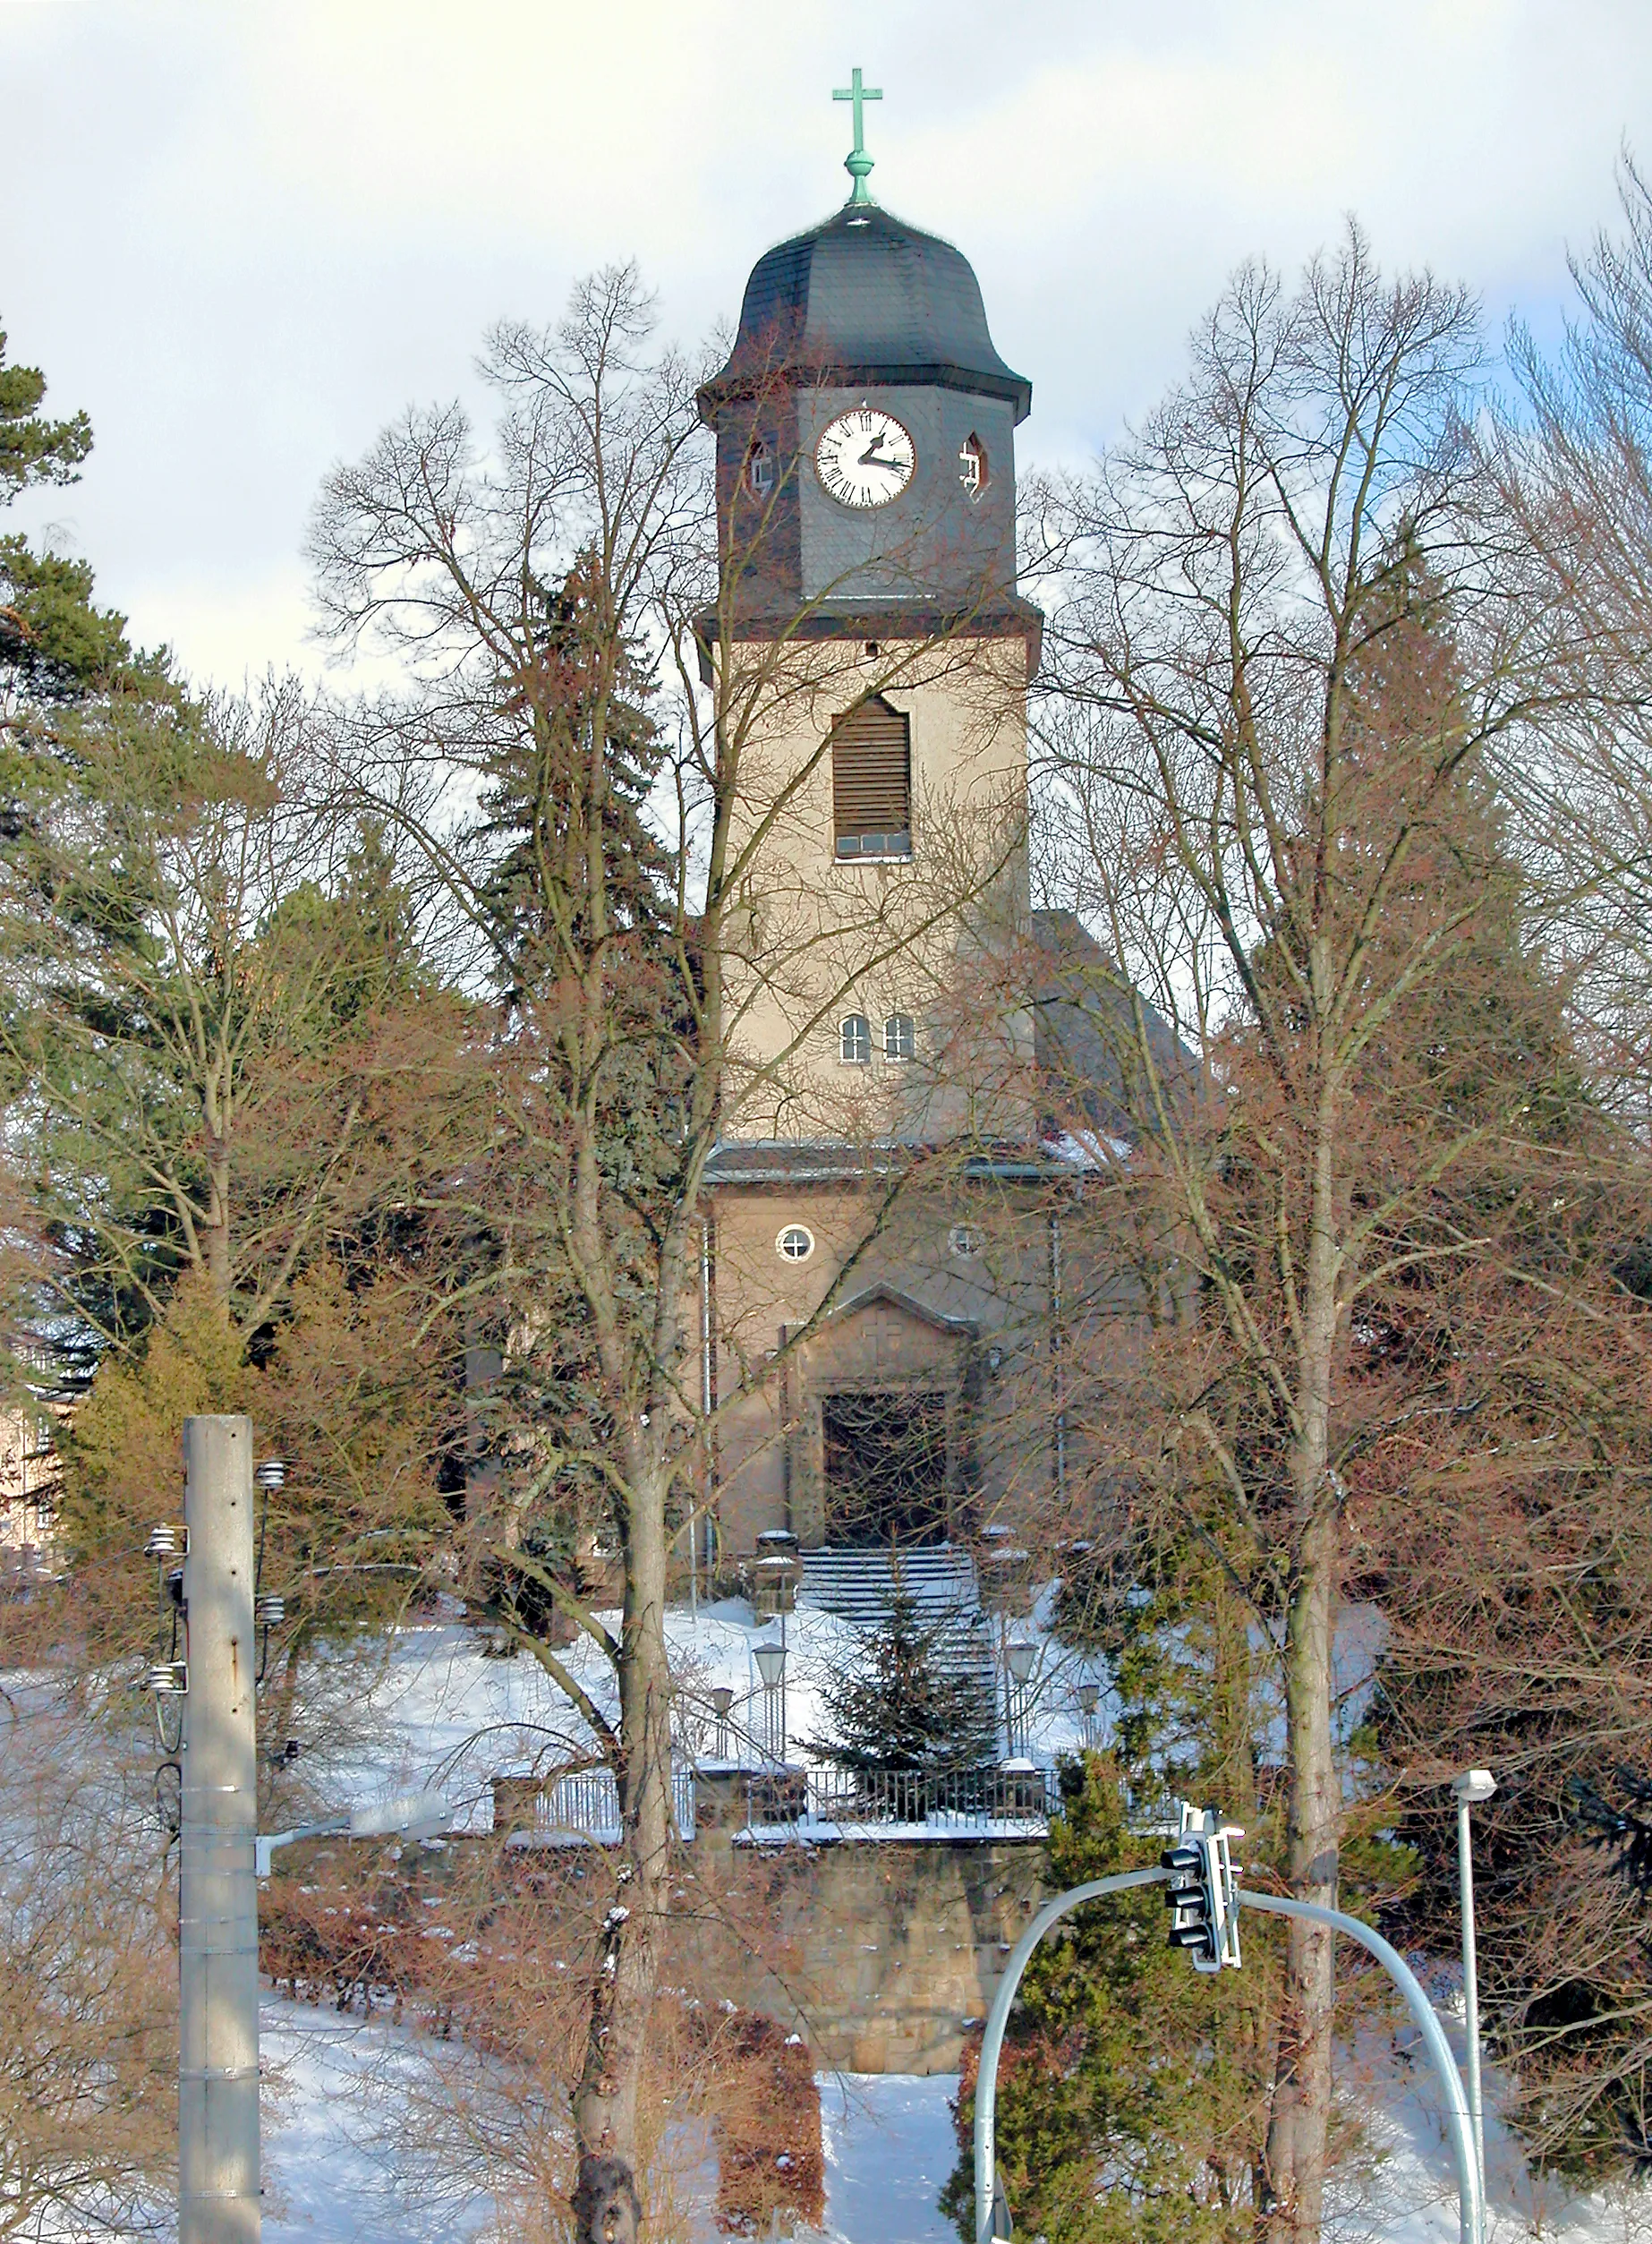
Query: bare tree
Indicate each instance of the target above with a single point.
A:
(592, 764)
(1282, 668)
(1572, 456)
(88, 1985)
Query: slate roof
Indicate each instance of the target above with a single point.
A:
(866, 298)
(1084, 1034)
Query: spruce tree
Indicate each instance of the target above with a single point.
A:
(905, 1699)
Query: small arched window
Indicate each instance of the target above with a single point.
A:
(900, 1039)
(855, 1039)
(796, 1243)
(972, 465)
(759, 469)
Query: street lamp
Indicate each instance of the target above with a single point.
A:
(1020, 1659)
(771, 1667)
(1089, 1699)
(1473, 1784)
(722, 1699)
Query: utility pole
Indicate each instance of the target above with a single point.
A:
(218, 2192)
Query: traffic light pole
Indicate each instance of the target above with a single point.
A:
(1469, 2208)
(218, 2200)
(998, 2018)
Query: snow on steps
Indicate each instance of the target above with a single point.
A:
(858, 1586)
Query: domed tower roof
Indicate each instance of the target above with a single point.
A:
(864, 298)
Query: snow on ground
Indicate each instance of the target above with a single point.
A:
(436, 1711)
(327, 2175)
(442, 1712)
(331, 2176)
(334, 2173)
(890, 2147)
(337, 2173)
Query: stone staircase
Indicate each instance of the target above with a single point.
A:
(858, 1586)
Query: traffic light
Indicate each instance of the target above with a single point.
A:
(1199, 1889)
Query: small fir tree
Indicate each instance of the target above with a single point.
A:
(904, 1699)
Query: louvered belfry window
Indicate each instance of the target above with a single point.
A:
(872, 780)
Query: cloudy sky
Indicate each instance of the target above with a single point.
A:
(243, 235)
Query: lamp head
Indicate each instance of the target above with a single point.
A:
(1474, 1785)
(1022, 1659)
(771, 1663)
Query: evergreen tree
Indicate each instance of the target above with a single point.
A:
(906, 1699)
(32, 448)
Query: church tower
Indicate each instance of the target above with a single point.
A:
(872, 657)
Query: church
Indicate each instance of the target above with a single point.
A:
(885, 1261)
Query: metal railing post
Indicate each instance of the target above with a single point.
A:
(218, 2199)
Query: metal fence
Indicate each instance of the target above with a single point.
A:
(954, 1799)
(584, 1806)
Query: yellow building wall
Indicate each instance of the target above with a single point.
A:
(818, 937)
(897, 1310)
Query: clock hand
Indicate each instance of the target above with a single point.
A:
(873, 458)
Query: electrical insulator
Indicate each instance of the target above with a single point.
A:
(166, 1541)
(171, 1679)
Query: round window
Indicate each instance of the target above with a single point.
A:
(796, 1243)
(964, 1242)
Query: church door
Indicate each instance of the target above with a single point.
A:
(884, 1456)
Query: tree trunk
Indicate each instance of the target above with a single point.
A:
(1300, 2122)
(607, 2207)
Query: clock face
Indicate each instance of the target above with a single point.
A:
(864, 457)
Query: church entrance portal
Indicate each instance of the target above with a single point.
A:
(885, 1467)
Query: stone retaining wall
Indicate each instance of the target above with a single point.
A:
(881, 1952)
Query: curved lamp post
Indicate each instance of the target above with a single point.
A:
(1469, 2213)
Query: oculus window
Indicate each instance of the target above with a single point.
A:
(796, 1243)
(855, 1040)
(900, 1039)
(872, 780)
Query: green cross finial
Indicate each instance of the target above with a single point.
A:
(859, 164)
